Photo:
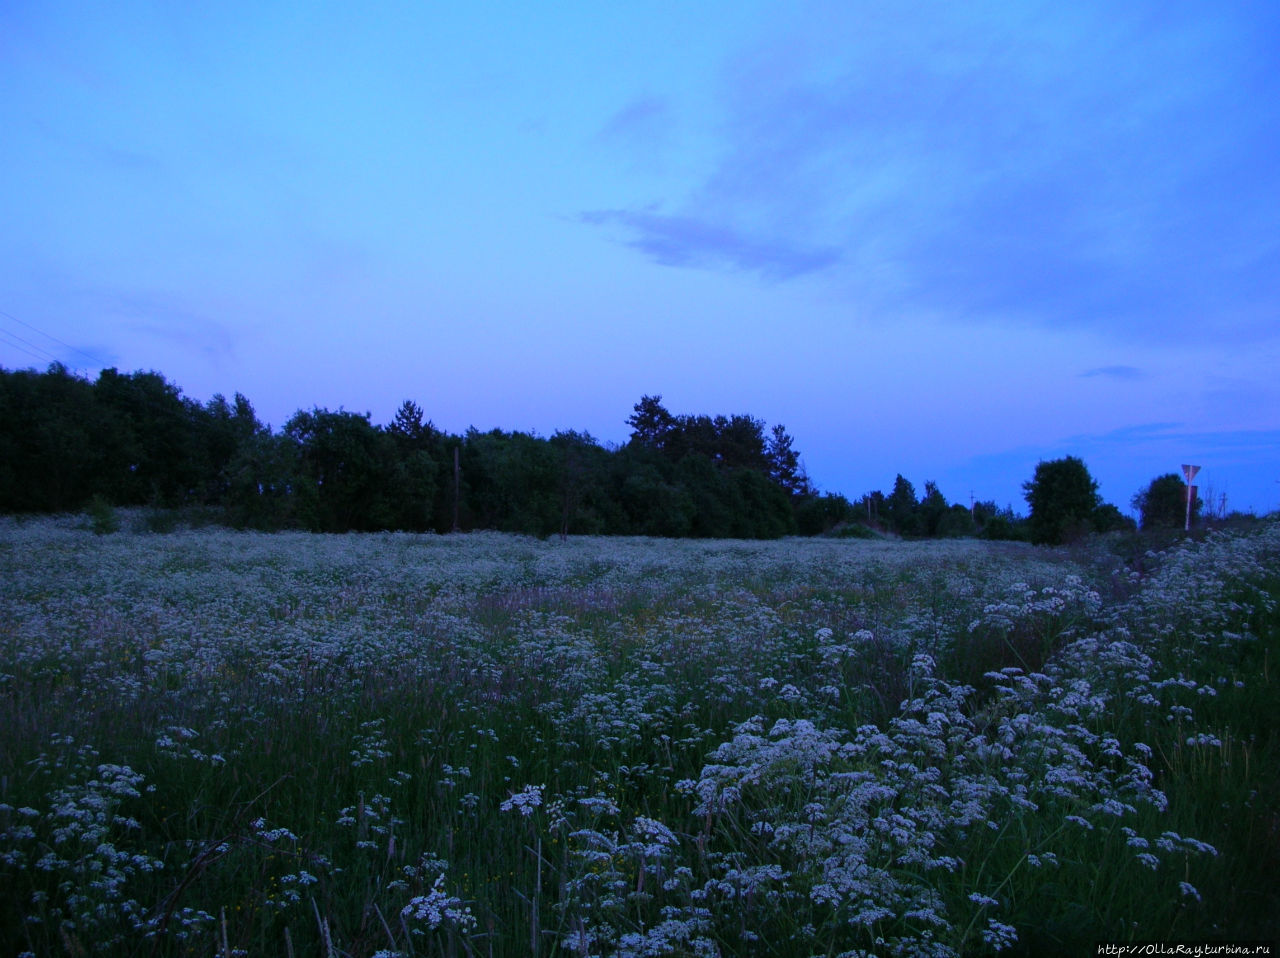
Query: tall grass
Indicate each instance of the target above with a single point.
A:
(231, 743)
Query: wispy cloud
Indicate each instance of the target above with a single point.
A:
(691, 242)
(1067, 165)
(1114, 372)
(163, 317)
(645, 121)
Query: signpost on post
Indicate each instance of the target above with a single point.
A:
(1190, 473)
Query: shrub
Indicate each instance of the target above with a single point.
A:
(102, 516)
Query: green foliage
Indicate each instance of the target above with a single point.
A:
(155, 457)
(933, 508)
(263, 486)
(347, 471)
(135, 440)
(851, 530)
(1108, 518)
(1163, 503)
(52, 441)
(1005, 527)
(784, 464)
(512, 483)
(955, 522)
(1063, 497)
(819, 514)
(904, 517)
(102, 517)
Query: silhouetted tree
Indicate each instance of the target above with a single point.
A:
(133, 438)
(1063, 497)
(932, 509)
(784, 463)
(1108, 518)
(816, 514)
(419, 462)
(347, 471)
(1163, 503)
(651, 424)
(53, 443)
(153, 455)
(764, 507)
(902, 507)
(956, 522)
(266, 485)
(584, 499)
(224, 429)
(408, 426)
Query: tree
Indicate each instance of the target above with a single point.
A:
(53, 443)
(1163, 503)
(347, 471)
(817, 514)
(408, 428)
(932, 509)
(223, 430)
(903, 507)
(583, 498)
(784, 464)
(152, 456)
(1063, 497)
(1107, 518)
(266, 485)
(651, 424)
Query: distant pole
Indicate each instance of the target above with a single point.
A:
(1190, 473)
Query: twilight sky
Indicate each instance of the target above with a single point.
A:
(942, 239)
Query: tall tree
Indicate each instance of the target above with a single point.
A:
(784, 463)
(903, 507)
(224, 429)
(651, 424)
(933, 507)
(1063, 497)
(408, 425)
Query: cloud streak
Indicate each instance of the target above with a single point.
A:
(1127, 373)
(1079, 166)
(687, 241)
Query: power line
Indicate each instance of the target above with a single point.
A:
(94, 362)
(39, 352)
(22, 349)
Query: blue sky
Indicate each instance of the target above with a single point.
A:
(946, 240)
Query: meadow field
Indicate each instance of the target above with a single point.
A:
(223, 743)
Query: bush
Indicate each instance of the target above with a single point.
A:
(102, 516)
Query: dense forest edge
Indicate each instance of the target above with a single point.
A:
(69, 444)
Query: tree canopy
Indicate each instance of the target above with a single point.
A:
(1162, 503)
(1065, 504)
(133, 439)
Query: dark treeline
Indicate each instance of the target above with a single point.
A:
(904, 513)
(133, 439)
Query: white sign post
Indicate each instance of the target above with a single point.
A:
(1190, 473)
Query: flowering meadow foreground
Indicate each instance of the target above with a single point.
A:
(218, 743)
